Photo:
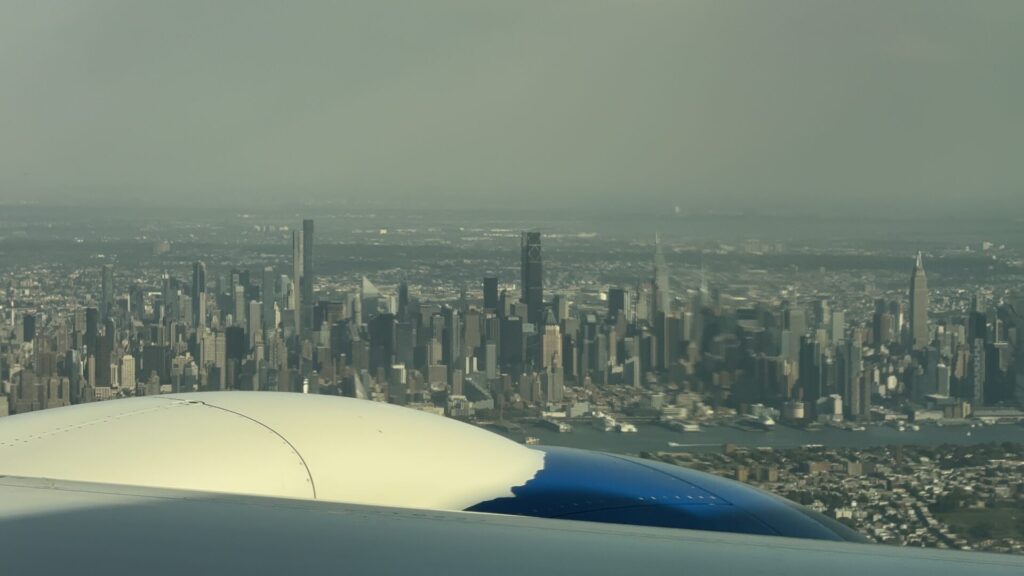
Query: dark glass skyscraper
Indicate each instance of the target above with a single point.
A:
(490, 293)
(383, 339)
(616, 302)
(919, 305)
(198, 294)
(28, 324)
(107, 302)
(306, 283)
(403, 302)
(532, 278)
(269, 295)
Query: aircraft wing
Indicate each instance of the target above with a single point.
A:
(58, 527)
(275, 483)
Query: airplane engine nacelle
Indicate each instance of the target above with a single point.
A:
(346, 450)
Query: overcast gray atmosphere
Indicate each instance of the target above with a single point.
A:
(807, 105)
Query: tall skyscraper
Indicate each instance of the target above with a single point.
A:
(403, 301)
(308, 276)
(240, 309)
(919, 305)
(490, 293)
(662, 296)
(942, 373)
(838, 326)
(853, 365)
(451, 341)
(369, 297)
(28, 325)
(198, 294)
(977, 321)
(705, 291)
(297, 264)
(254, 323)
(92, 329)
(551, 345)
(811, 370)
(977, 373)
(127, 379)
(107, 301)
(269, 295)
(795, 325)
(616, 302)
(532, 278)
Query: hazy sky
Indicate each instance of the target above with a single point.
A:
(705, 104)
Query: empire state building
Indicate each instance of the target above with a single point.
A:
(919, 305)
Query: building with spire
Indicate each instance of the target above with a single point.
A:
(919, 305)
(269, 295)
(662, 296)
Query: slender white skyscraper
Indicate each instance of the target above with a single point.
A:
(269, 295)
(308, 278)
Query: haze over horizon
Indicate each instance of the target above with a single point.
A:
(872, 106)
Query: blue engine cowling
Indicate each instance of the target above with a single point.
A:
(599, 487)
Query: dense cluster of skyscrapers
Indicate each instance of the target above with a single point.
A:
(509, 347)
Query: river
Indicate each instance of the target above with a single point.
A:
(655, 438)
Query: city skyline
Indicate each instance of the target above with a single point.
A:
(587, 342)
(644, 331)
(702, 277)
